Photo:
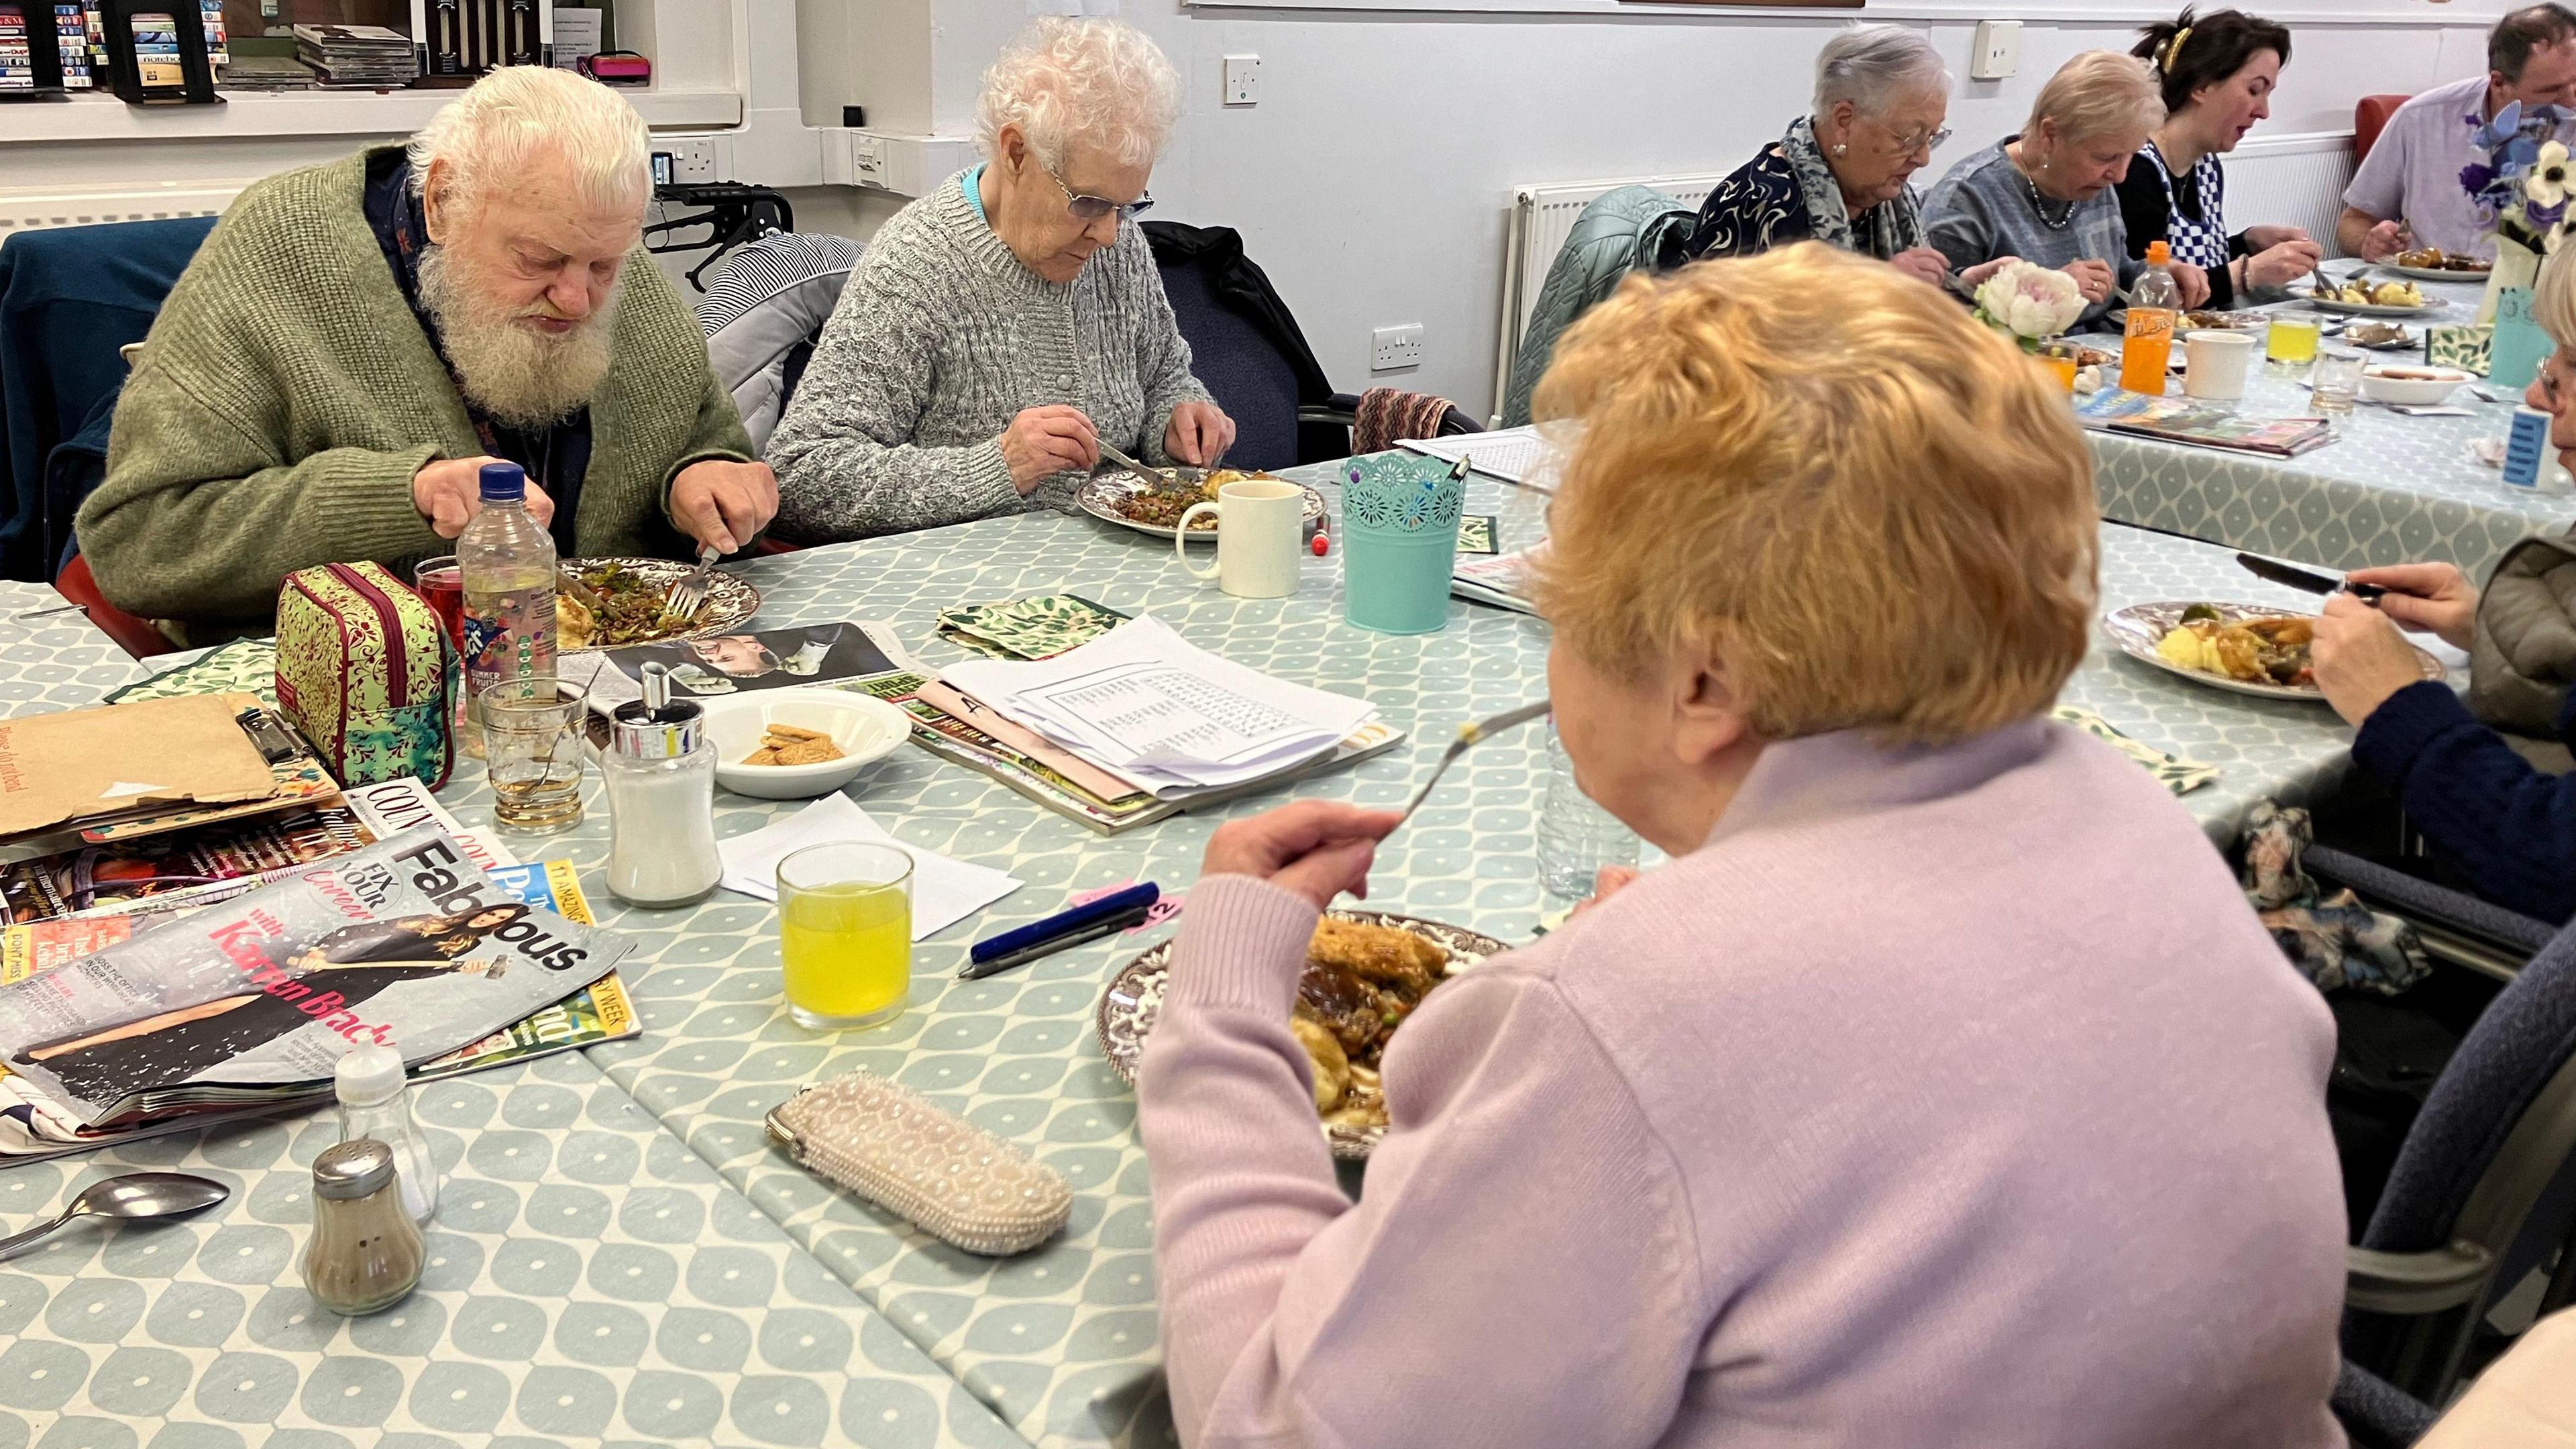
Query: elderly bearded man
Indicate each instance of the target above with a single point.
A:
(355, 340)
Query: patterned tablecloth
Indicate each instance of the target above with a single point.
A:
(2390, 489)
(1060, 1342)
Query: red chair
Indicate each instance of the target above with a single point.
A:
(133, 634)
(2369, 118)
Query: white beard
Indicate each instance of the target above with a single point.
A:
(518, 374)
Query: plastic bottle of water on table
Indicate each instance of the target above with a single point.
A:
(507, 560)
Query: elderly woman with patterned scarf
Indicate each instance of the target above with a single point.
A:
(1840, 176)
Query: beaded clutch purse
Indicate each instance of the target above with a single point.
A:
(957, 1182)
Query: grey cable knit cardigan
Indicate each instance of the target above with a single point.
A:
(940, 339)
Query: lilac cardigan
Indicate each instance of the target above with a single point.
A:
(1944, 1097)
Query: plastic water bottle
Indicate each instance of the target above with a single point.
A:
(374, 1103)
(2155, 305)
(507, 560)
(1575, 836)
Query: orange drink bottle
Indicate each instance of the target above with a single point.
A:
(2155, 305)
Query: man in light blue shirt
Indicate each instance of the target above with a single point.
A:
(2409, 184)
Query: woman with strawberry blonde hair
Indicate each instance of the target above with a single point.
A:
(1941, 1090)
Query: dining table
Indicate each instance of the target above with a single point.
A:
(622, 1256)
(2390, 488)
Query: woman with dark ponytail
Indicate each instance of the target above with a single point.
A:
(2218, 72)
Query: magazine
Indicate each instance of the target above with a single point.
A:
(33, 1125)
(2199, 424)
(722, 664)
(179, 868)
(404, 942)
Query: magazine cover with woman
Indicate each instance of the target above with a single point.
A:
(404, 942)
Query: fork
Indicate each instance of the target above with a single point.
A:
(690, 593)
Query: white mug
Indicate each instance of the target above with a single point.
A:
(1260, 522)
(2214, 364)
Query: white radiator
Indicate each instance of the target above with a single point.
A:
(30, 209)
(1541, 216)
(2291, 181)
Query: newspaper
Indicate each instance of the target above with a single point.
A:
(404, 943)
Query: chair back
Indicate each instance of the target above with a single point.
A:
(1245, 346)
(70, 297)
(2490, 1162)
(1615, 233)
(765, 306)
(2370, 117)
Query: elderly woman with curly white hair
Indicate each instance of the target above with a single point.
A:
(1000, 329)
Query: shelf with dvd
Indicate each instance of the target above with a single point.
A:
(356, 114)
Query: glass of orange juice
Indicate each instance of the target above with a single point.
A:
(845, 934)
(2292, 338)
(2064, 359)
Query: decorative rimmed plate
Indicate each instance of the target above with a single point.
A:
(1101, 496)
(2433, 274)
(730, 604)
(2370, 309)
(1135, 998)
(2137, 628)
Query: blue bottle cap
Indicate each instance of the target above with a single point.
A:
(504, 483)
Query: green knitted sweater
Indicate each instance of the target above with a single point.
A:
(287, 395)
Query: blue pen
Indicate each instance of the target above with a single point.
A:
(1067, 925)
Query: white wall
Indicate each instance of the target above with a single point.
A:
(1371, 181)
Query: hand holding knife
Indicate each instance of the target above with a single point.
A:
(2306, 581)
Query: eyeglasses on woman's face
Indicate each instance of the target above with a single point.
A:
(1087, 208)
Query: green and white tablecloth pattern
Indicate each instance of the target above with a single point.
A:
(1062, 1341)
(2390, 489)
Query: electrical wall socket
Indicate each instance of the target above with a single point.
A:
(1394, 347)
(1243, 80)
(693, 158)
(1995, 53)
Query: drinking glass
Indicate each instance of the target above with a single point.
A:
(2064, 360)
(2335, 381)
(532, 749)
(2292, 338)
(441, 585)
(845, 934)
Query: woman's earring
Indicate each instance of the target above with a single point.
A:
(1840, 148)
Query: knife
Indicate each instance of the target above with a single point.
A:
(2314, 583)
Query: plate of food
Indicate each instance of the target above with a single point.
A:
(2244, 648)
(2371, 299)
(1366, 971)
(2199, 321)
(625, 603)
(2381, 336)
(2432, 264)
(1109, 497)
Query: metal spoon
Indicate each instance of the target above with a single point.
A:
(137, 1195)
(1157, 481)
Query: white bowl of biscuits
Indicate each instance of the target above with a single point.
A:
(2411, 386)
(794, 744)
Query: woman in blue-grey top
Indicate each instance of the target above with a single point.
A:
(1842, 175)
(2045, 195)
(1000, 329)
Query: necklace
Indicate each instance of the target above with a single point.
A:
(2039, 207)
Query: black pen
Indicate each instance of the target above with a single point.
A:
(1105, 926)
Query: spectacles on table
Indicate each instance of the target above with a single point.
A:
(1092, 208)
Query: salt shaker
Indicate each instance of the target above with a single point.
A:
(365, 1254)
(661, 777)
(375, 1102)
